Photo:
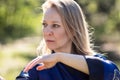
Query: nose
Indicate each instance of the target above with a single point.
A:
(47, 31)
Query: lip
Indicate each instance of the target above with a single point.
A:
(49, 40)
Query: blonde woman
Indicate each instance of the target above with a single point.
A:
(67, 48)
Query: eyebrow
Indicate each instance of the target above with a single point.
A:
(56, 21)
(52, 21)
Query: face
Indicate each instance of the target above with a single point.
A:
(54, 32)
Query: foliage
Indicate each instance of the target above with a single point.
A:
(18, 18)
(104, 16)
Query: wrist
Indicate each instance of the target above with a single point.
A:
(58, 55)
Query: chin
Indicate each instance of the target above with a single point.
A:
(51, 48)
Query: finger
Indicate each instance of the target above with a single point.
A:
(41, 67)
(31, 64)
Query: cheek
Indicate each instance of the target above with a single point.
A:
(62, 36)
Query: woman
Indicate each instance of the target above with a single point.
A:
(67, 44)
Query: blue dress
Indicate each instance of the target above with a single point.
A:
(99, 69)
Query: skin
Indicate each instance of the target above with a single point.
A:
(56, 39)
(54, 32)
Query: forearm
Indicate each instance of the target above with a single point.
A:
(76, 61)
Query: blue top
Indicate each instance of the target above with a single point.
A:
(99, 69)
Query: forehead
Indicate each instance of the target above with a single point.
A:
(51, 14)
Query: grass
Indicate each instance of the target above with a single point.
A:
(14, 56)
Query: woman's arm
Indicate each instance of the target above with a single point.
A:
(75, 61)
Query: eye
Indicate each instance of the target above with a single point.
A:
(55, 25)
(44, 24)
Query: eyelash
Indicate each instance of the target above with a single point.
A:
(44, 24)
(54, 25)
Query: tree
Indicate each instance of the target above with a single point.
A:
(18, 18)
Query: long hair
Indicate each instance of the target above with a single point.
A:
(75, 25)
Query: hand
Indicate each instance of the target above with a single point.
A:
(46, 61)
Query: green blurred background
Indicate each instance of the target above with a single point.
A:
(20, 31)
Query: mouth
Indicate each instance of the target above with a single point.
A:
(49, 40)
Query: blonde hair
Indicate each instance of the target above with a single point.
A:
(75, 25)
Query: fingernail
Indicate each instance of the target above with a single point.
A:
(40, 67)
